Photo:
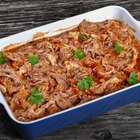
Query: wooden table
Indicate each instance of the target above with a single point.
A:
(21, 15)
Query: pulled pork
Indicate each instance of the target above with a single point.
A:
(58, 70)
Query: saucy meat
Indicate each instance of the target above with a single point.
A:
(51, 74)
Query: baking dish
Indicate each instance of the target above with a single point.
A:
(93, 108)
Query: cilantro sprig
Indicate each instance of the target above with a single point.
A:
(118, 47)
(79, 54)
(33, 59)
(82, 37)
(1, 53)
(2, 58)
(133, 79)
(85, 83)
(35, 97)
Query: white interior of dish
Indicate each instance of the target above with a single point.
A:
(110, 12)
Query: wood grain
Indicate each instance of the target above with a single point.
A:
(21, 15)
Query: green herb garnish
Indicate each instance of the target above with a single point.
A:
(1, 53)
(2, 58)
(79, 54)
(82, 37)
(85, 83)
(133, 79)
(33, 59)
(35, 97)
(118, 47)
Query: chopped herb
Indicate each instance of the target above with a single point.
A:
(85, 83)
(33, 59)
(1, 53)
(118, 47)
(82, 37)
(2, 58)
(36, 97)
(133, 79)
(79, 54)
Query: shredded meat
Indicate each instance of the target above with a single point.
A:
(58, 71)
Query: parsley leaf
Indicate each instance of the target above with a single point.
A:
(89, 80)
(118, 47)
(1, 54)
(2, 58)
(133, 79)
(85, 83)
(79, 54)
(33, 59)
(36, 91)
(82, 37)
(35, 97)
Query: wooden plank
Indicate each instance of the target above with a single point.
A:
(17, 16)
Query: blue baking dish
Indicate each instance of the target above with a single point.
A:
(84, 111)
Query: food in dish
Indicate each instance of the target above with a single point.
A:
(55, 73)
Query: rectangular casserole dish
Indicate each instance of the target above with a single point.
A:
(92, 108)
